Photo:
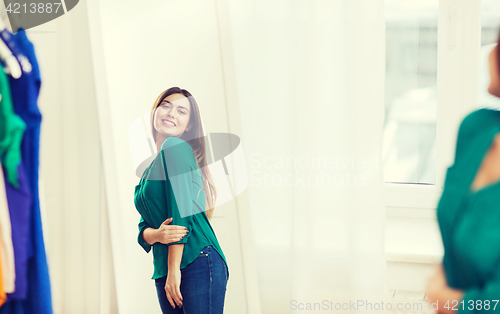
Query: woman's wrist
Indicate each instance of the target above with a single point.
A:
(150, 235)
(175, 256)
(174, 266)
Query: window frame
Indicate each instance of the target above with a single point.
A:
(459, 43)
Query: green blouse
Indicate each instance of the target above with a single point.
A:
(176, 193)
(470, 220)
(12, 129)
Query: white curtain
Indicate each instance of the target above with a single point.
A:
(310, 78)
(72, 195)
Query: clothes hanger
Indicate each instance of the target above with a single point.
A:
(6, 35)
(13, 66)
(5, 17)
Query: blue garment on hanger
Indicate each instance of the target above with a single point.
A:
(19, 202)
(25, 91)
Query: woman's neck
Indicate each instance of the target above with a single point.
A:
(159, 141)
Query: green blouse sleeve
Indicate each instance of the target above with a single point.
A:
(143, 226)
(178, 164)
(485, 299)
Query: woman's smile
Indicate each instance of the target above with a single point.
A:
(168, 123)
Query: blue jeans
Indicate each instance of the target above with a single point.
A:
(203, 286)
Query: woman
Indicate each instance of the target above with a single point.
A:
(469, 215)
(190, 269)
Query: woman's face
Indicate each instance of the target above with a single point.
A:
(172, 116)
(494, 88)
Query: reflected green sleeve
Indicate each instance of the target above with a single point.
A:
(485, 299)
(143, 226)
(178, 162)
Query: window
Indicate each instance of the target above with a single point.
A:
(490, 17)
(409, 154)
(436, 73)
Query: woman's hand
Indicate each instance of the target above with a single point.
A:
(439, 291)
(170, 233)
(172, 287)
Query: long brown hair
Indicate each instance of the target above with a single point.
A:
(498, 51)
(195, 137)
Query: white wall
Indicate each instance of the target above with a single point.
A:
(413, 245)
(71, 185)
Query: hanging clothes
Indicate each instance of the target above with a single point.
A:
(7, 249)
(3, 294)
(20, 204)
(11, 133)
(25, 91)
(18, 195)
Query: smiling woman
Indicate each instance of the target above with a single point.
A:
(171, 117)
(190, 271)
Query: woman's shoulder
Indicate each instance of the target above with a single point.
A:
(479, 120)
(178, 155)
(176, 145)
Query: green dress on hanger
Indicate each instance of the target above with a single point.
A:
(11, 133)
(470, 220)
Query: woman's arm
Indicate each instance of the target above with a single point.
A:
(165, 234)
(175, 256)
(438, 292)
(150, 235)
(484, 299)
(178, 162)
(172, 285)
